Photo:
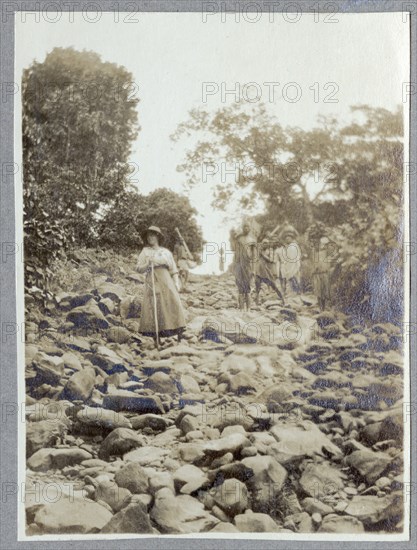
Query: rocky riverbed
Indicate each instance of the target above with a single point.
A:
(280, 419)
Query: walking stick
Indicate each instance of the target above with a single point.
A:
(155, 311)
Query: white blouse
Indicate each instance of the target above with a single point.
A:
(159, 256)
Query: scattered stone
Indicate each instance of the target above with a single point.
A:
(189, 478)
(124, 400)
(50, 458)
(231, 496)
(369, 464)
(161, 383)
(72, 516)
(266, 483)
(146, 455)
(182, 514)
(321, 479)
(49, 368)
(96, 419)
(371, 509)
(132, 477)
(305, 439)
(44, 434)
(232, 443)
(119, 442)
(188, 384)
(256, 523)
(132, 519)
(80, 385)
(155, 422)
(341, 524)
(88, 316)
(115, 496)
(120, 335)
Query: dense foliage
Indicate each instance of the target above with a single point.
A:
(348, 177)
(79, 120)
(124, 224)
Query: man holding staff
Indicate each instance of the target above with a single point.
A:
(162, 312)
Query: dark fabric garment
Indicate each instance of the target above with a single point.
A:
(265, 269)
(243, 263)
(321, 285)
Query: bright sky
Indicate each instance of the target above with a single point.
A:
(361, 58)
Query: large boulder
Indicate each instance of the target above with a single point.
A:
(108, 360)
(44, 434)
(231, 496)
(304, 439)
(50, 458)
(119, 335)
(95, 420)
(132, 477)
(119, 442)
(49, 368)
(318, 480)
(236, 363)
(161, 383)
(111, 290)
(88, 316)
(71, 361)
(368, 464)
(275, 397)
(132, 519)
(147, 455)
(189, 478)
(113, 495)
(266, 483)
(154, 421)
(231, 443)
(71, 515)
(180, 514)
(256, 523)
(80, 385)
(124, 400)
(130, 307)
(334, 523)
(371, 509)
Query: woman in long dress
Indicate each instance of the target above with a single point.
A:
(161, 286)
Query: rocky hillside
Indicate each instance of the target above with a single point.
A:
(274, 420)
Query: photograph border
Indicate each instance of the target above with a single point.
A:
(11, 246)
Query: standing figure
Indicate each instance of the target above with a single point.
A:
(244, 246)
(162, 312)
(181, 259)
(289, 261)
(265, 270)
(323, 255)
(221, 259)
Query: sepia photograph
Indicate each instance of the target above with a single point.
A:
(214, 284)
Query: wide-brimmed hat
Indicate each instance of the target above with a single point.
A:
(154, 229)
(288, 231)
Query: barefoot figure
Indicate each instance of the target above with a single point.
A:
(265, 270)
(181, 259)
(325, 253)
(289, 261)
(244, 247)
(162, 312)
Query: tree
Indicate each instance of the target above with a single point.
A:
(78, 125)
(124, 224)
(349, 177)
